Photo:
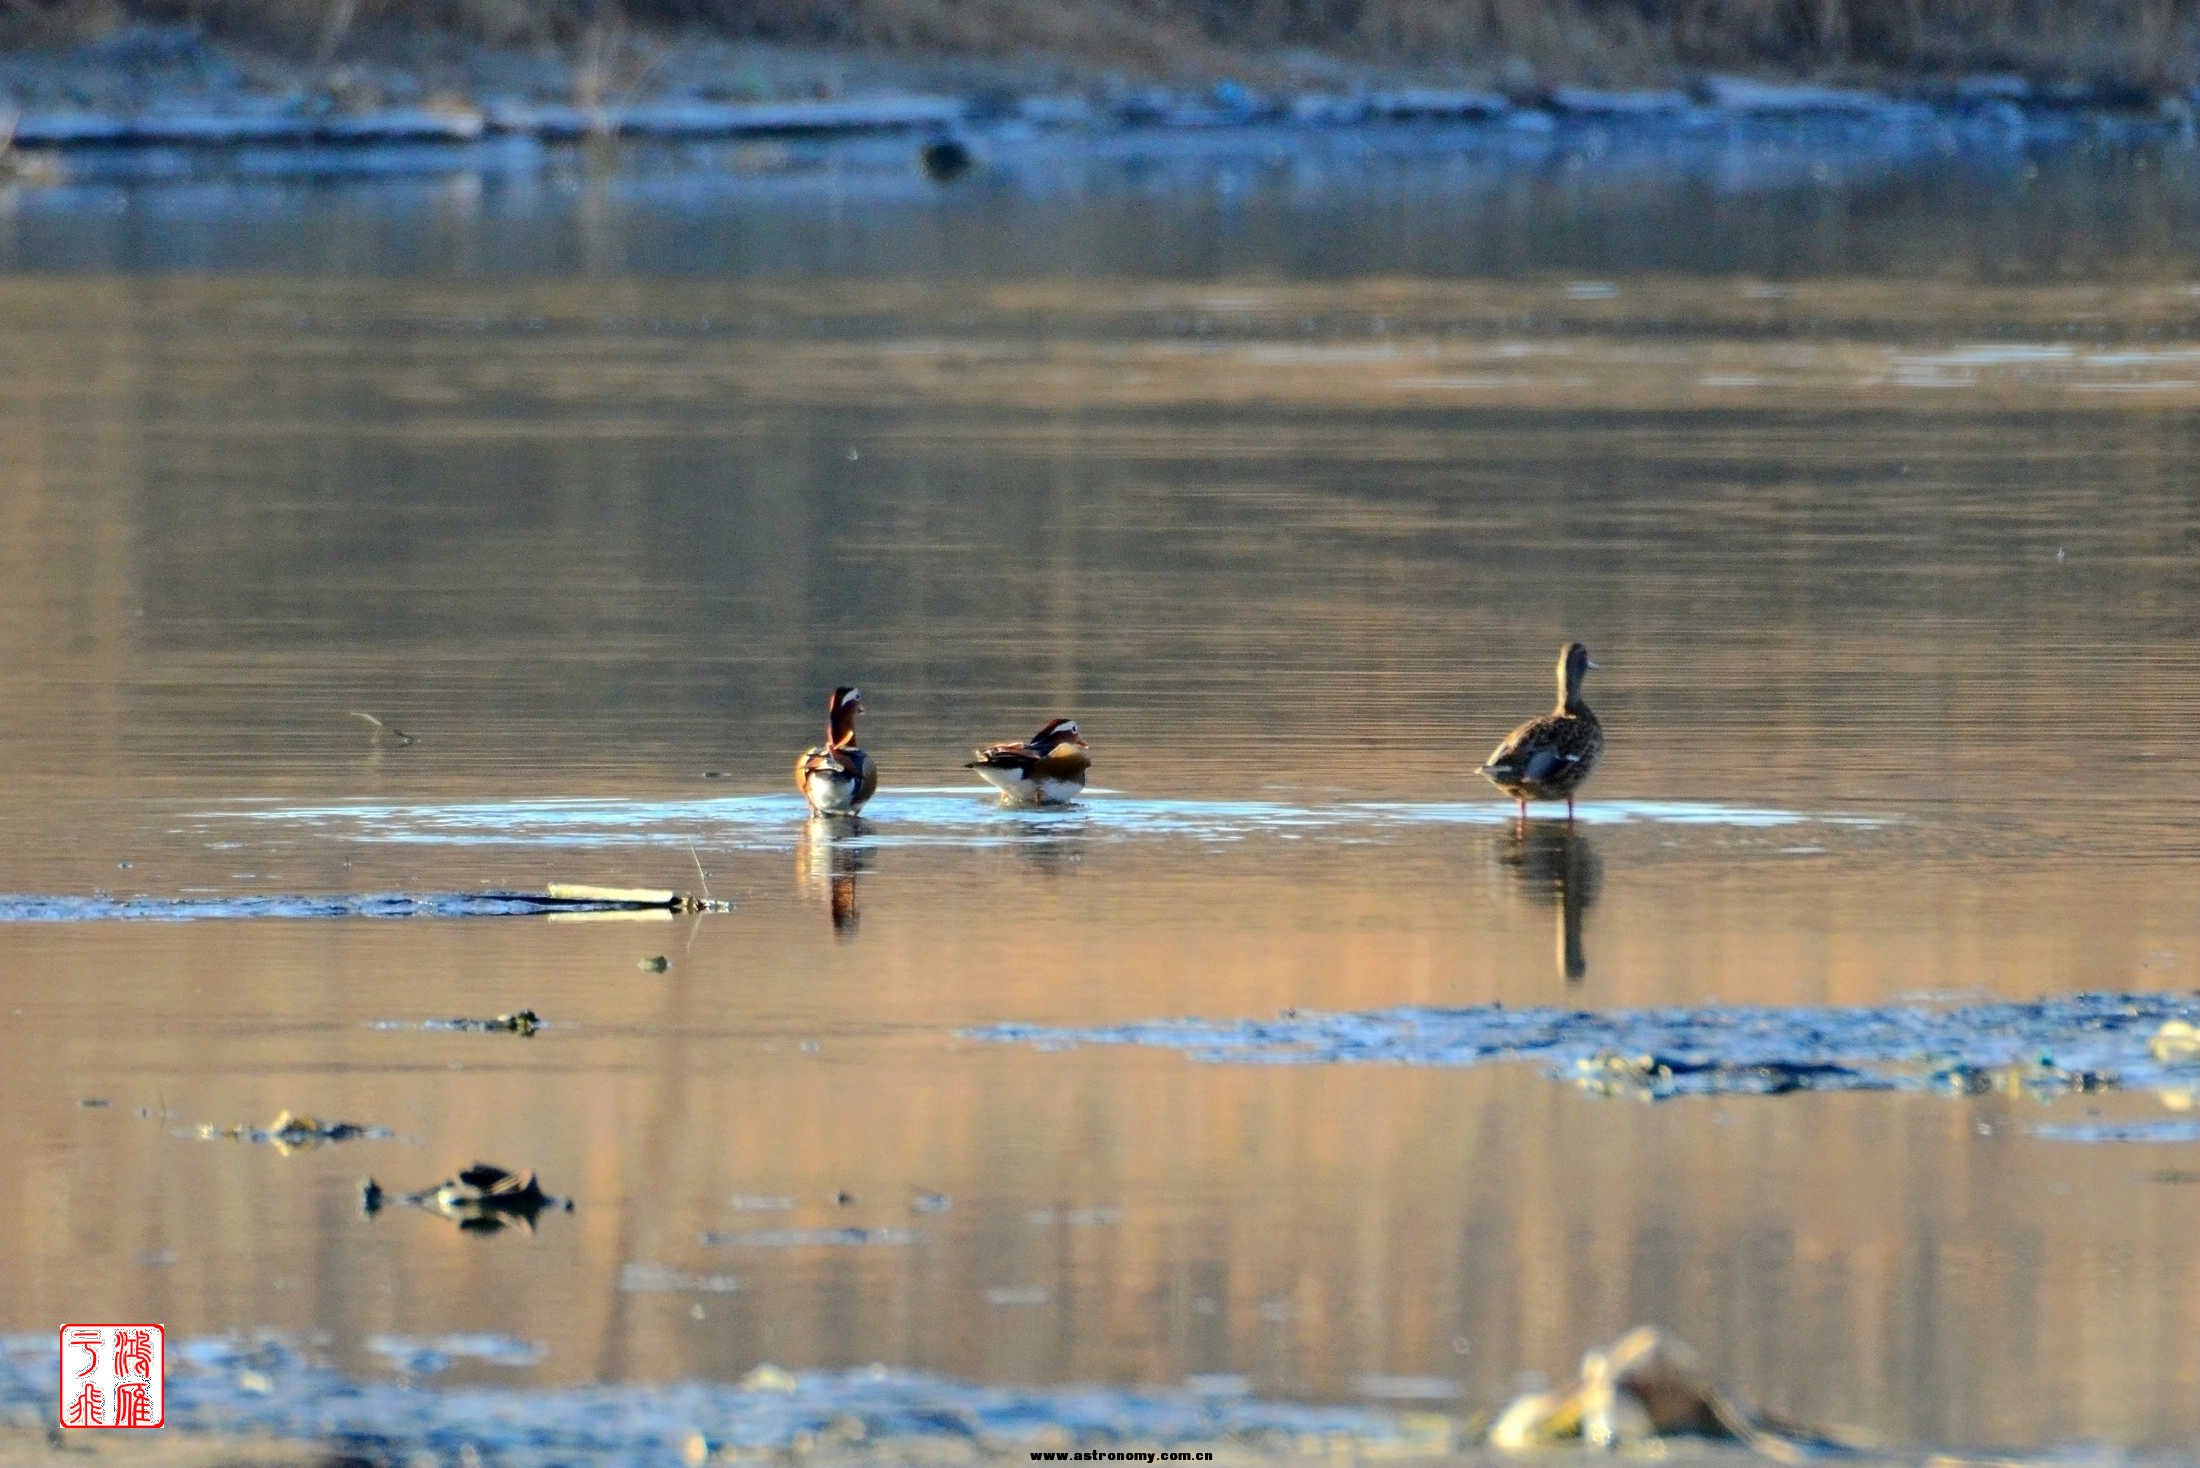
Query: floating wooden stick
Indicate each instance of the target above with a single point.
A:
(642, 897)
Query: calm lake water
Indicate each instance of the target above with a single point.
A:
(1873, 490)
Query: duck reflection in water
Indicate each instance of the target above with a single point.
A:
(1557, 865)
(830, 856)
(1052, 844)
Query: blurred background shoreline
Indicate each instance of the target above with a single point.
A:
(1289, 43)
(91, 72)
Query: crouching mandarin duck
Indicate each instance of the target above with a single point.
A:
(1046, 769)
(1549, 758)
(836, 777)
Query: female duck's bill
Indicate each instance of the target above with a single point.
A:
(1549, 758)
(1046, 769)
(836, 777)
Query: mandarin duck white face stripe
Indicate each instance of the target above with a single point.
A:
(1060, 731)
(837, 777)
(841, 708)
(1044, 769)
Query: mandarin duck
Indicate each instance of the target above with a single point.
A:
(1046, 769)
(836, 777)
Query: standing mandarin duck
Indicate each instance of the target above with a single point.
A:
(1549, 758)
(1046, 769)
(836, 777)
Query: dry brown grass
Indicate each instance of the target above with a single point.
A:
(2152, 42)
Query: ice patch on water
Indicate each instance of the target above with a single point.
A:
(1996, 354)
(2076, 1042)
(2120, 1131)
(417, 1357)
(1405, 1388)
(274, 1388)
(810, 1238)
(641, 1278)
(955, 816)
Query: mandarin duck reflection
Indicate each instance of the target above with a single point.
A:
(1046, 769)
(836, 777)
(831, 855)
(1548, 758)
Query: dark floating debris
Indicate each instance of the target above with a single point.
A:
(1643, 1388)
(945, 159)
(519, 1022)
(2039, 1076)
(1610, 1074)
(558, 899)
(2063, 1044)
(656, 963)
(482, 1199)
(290, 1132)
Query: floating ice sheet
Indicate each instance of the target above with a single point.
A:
(270, 1386)
(2072, 1042)
(954, 816)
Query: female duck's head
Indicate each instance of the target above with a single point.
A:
(1573, 662)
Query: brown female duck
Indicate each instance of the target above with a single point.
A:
(1549, 758)
(1046, 769)
(836, 777)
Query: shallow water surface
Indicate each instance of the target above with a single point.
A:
(1892, 576)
